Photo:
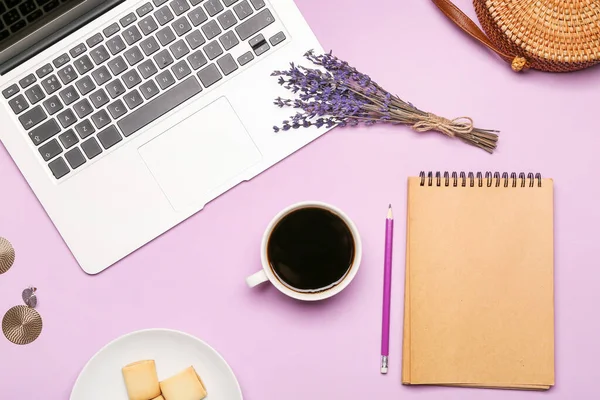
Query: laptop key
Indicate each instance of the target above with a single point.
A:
(111, 29)
(99, 98)
(179, 6)
(245, 58)
(35, 94)
(109, 137)
(165, 36)
(27, 81)
(91, 148)
(10, 91)
(147, 69)
(69, 95)
(277, 38)
(197, 16)
(196, 2)
(254, 24)
(59, 168)
(18, 104)
(148, 25)
(100, 119)
(32, 117)
(213, 7)
(99, 55)
(158, 3)
(133, 99)
(83, 64)
(44, 70)
(227, 64)
(66, 118)
(148, 89)
(181, 70)
(179, 49)
(195, 39)
(83, 108)
(44, 132)
(127, 20)
(115, 88)
(133, 55)
(211, 29)
(50, 150)
(258, 4)
(61, 60)
(51, 84)
(149, 46)
(117, 109)
(115, 45)
(197, 59)
(117, 65)
(164, 15)
(52, 105)
(181, 26)
(227, 19)
(213, 50)
(256, 40)
(165, 79)
(77, 50)
(209, 75)
(131, 78)
(84, 129)
(68, 139)
(67, 74)
(144, 9)
(94, 40)
(159, 106)
(243, 10)
(75, 158)
(131, 35)
(228, 40)
(261, 49)
(101, 75)
(85, 85)
(229, 2)
(163, 59)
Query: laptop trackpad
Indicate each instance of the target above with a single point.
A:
(201, 153)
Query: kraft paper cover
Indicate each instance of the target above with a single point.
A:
(479, 293)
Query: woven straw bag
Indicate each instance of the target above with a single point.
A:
(547, 35)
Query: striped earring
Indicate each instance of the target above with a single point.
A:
(7, 255)
(23, 324)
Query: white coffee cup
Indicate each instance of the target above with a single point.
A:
(267, 273)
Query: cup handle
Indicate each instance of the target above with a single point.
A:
(257, 278)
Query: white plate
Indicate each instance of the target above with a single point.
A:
(173, 351)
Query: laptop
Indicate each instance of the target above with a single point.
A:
(127, 117)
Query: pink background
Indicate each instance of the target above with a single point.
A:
(192, 278)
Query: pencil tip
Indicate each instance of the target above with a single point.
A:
(389, 214)
(390, 206)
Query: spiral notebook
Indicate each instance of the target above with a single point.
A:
(479, 288)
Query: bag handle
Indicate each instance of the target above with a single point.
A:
(455, 15)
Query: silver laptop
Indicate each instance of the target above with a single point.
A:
(127, 117)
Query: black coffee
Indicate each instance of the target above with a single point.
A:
(310, 249)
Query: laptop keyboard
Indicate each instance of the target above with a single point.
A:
(17, 14)
(132, 72)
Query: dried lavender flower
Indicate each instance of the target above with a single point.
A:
(335, 93)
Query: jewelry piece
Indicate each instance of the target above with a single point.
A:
(29, 297)
(23, 324)
(7, 255)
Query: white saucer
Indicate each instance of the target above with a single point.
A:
(173, 351)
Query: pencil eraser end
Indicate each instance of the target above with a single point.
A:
(384, 370)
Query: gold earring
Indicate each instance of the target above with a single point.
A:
(7, 255)
(23, 324)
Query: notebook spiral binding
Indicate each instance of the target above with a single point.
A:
(490, 179)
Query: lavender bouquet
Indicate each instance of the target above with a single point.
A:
(335, 93)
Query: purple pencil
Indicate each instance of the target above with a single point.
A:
(387, 291)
